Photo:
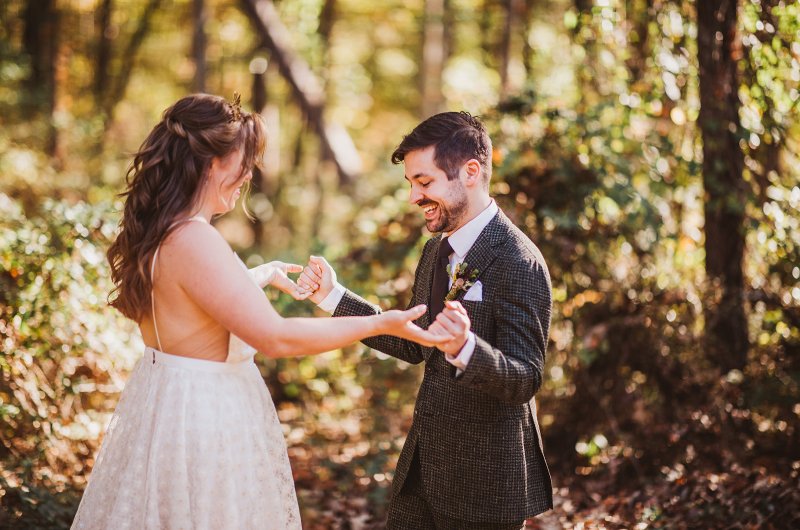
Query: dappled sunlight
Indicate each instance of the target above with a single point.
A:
(594, 109)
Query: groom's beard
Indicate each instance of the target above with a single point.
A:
(450, 215)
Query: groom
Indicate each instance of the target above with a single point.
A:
(473, 458)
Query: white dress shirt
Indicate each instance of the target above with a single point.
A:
(461, 241)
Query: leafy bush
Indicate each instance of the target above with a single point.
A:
(65, 352)
(620, 225)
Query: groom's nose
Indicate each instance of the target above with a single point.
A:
(414, 196)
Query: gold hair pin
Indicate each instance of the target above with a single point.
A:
(236, 107)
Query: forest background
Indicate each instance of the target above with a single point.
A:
(648, 147)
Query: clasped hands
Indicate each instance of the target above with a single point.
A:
(449, 332)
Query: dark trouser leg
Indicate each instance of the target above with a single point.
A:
(408, 510)
(448, 523)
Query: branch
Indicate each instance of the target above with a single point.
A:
(128, 58)
(305, 86)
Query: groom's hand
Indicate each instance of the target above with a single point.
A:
(400, 324)
(453, 320)
(319, 277)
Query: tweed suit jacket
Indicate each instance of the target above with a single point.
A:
(476, 433)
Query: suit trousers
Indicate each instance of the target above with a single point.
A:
(410, 510)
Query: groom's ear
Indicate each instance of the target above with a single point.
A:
(473, 172)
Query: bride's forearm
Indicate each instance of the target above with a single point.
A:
(307, 336)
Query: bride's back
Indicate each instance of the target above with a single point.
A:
(183, 327)
(195, 161)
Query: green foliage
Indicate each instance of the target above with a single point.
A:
(597, 157)
(65, 351)
(609, 188)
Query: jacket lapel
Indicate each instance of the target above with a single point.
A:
(480, 256)
(484, 251)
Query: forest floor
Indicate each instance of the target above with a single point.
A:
(343, 482)
(343, 466)
(740, 499)
(341, 496)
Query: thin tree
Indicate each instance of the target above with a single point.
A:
(514, 14)
(433, 58)
(119, 84)
(40, 41)
(104, 42)
(260, 181)
(723, 162)
(638, 15)
(327, 18)
(199, 44)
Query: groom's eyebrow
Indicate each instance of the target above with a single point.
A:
(416, 177)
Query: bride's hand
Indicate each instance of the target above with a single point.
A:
(275, 273)
(400, 324)
(281, 280)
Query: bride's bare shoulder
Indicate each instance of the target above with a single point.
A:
(195, 241)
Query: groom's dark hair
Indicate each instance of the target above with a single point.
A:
(456, 137)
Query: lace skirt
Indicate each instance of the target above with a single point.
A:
(192, 444)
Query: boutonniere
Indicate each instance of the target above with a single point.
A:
(463, 279)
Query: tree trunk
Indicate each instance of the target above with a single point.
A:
(258, 69)
(37, 39)
(104, 39)
(527, 48)
(120, 82)
(514, 10)
(265, 178)
(327, 19)
(583, 6)
(638, 14)
(723, 162)
(433, 58)
(485, 25)
(40, 40)
(199, 43)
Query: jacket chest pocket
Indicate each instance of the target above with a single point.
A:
(481, 316)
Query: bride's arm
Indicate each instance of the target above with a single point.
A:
(221, 287)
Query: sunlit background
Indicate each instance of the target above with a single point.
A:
(671, 395)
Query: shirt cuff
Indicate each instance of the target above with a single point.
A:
(461, 360)
(332, 300)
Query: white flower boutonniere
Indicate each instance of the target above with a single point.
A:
(463, 279)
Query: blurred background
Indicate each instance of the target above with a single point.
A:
(648, 147)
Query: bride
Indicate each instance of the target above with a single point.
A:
(195, 441)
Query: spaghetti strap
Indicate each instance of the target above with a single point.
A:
(152, 276)
(153, 295)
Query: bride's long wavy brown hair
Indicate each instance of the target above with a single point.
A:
(165, 181)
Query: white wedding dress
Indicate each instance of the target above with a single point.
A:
(192, 444)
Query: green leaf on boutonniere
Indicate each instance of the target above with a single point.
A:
(463, 279)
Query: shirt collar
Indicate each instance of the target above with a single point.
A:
(462, 239)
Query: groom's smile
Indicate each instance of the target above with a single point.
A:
(443, 201)
(445, 215)
(430, 210)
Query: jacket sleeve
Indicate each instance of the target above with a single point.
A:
(512, 369)
(405, 350)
